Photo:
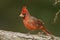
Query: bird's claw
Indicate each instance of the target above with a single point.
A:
(28, 33)
(40, 33)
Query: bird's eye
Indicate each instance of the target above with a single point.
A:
(24, 14)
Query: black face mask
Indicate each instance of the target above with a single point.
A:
(24, 15)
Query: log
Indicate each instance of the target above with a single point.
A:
(10, 35)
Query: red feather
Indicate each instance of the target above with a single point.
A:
(32, 23)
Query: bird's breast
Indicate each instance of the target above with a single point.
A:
(29, 24)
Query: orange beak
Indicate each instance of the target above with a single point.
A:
(21, 15)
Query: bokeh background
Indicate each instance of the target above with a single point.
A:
(42, 9)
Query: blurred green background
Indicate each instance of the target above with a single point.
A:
(42, 9)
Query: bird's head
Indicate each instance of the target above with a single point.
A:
(24, 12)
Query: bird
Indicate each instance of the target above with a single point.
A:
(32, 23)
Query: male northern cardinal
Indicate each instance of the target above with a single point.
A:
(31, 22)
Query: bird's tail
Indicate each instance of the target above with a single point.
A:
(45, 30)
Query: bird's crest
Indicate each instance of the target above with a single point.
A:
(24, 10)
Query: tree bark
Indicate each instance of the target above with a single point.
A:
(9, 35)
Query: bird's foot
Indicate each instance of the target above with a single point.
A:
(40, 33)
(28, 33)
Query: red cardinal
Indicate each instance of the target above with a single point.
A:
(31, 22)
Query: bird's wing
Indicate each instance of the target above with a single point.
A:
(36, 22)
